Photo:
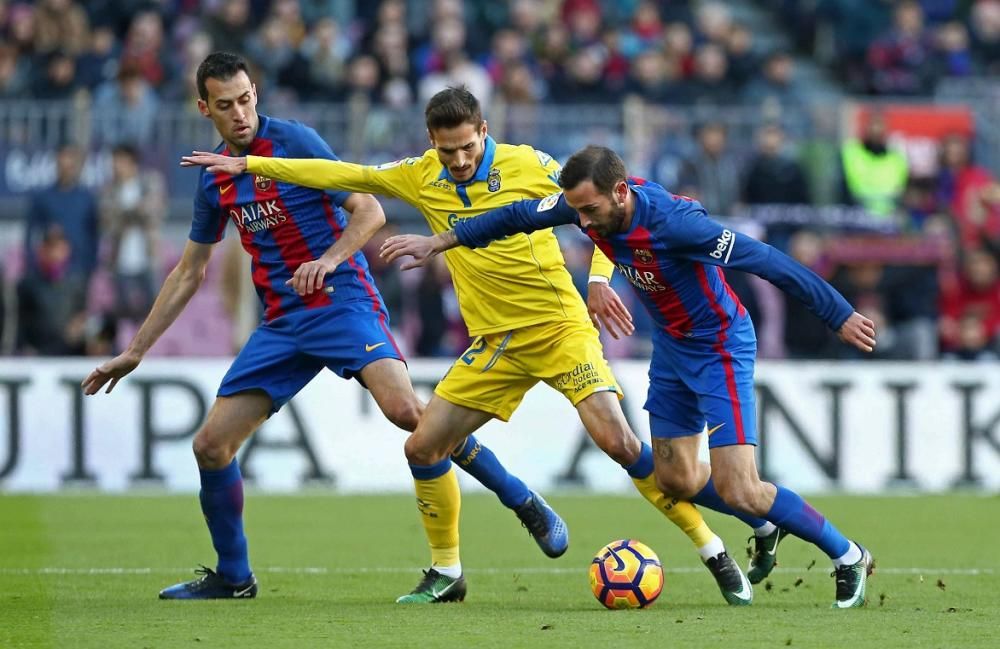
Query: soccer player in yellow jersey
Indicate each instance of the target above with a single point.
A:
(529, 324)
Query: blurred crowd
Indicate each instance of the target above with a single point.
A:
(93, 257)
(136, 53)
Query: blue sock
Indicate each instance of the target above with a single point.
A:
(642, 467)
(709, 497)
(797, 516)
(480, 462)
(222, 503)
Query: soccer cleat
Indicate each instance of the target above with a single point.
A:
(544, 525)
(435, 588)
(732, 582)
(211, 585)
(765, 555)
(852, 581)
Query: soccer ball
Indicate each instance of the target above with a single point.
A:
(626, 574)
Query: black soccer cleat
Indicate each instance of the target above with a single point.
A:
(211, 585)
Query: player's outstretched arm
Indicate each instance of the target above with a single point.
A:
(366, 218)
(858, 331)
(607, 310)
(180, 285)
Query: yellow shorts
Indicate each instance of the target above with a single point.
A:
(494, 373)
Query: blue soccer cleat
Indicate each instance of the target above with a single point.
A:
(211, 585)
(544, 525)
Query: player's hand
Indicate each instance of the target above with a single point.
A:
(858, 331)
(309, 276)
(421, 248)
(215, 163)
(606, 309)
(114, 370)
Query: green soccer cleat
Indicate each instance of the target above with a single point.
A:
(732, 582)
(852, 581)
(435, 588)
(765, 555)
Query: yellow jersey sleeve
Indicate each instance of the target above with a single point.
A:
(399, 179)
(548, 181)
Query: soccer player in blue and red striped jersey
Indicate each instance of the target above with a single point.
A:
(704, 347)
(321, 309)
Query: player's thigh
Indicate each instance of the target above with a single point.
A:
(569, 357)
(487, 378)
(723, 381)
(390, 386)
(443, 426)
(270, 362)
(230, 421)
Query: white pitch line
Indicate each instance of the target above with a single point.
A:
(319, 570)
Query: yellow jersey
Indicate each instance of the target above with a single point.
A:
(515, 282)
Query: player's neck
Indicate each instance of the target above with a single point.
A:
(629, 210)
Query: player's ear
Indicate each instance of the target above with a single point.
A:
(483, 129)
(621, 193)
(430, 136)
(203, 107)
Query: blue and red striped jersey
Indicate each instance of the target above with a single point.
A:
(282, 225)
(673, 254)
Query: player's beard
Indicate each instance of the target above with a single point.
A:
(612, 224)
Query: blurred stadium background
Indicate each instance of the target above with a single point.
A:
(860, 136)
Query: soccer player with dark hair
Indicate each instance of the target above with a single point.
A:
(528, 321)
(704, 346)
(321, 309)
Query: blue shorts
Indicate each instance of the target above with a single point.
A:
(694, 383)
(283, 355)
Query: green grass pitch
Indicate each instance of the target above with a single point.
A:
(84, 571)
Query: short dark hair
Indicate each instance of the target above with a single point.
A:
(598, 164)
(221, 66)
(453, 107)
(126, 149)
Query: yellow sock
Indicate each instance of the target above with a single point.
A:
(680, 512)
(439, 502)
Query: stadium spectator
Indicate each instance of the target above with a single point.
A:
(974, 294)
(874, 173)
(58, 81)
(985, 34)
(771, 178)
(901, 58)
(61, 25)
(743, 60)
(805, 335)
(144, 51)
(712, 174)
(51, 298)
(72, 210)
(777, 85)
(953, 53)
(15, 74)
(132, 208)
(230, 25)
(99, 62)
(324, 55)
(965, 190)
(125, 110)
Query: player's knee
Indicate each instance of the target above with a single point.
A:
(421, 453)
(211, 454)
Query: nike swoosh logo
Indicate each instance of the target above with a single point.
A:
(241, 593)
(746, 592)
(712, 430)
(369, 348)
(225, 188)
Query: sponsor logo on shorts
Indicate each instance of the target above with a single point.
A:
(580, 377)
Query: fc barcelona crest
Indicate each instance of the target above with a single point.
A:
(643, 255)
(262, 184)
(493, 180)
